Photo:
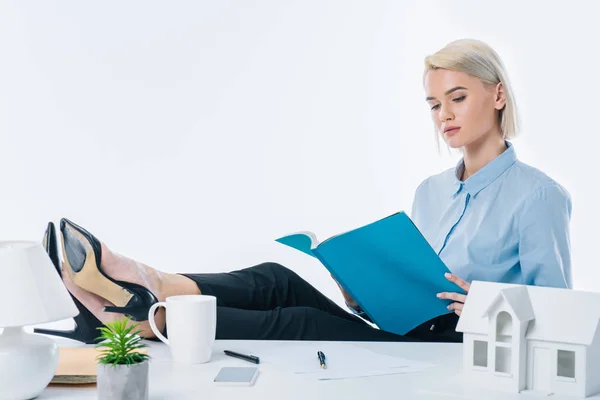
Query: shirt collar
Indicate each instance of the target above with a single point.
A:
(486, 175)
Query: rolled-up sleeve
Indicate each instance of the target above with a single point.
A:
(544, 238)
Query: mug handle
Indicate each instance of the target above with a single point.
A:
(153, 323)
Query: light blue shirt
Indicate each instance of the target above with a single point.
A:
(508, 222)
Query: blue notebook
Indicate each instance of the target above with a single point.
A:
(387, 267)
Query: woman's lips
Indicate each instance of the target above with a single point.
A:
(451, 132)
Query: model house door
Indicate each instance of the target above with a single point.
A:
(540, 374)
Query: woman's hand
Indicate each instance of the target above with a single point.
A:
(347, 298)
(459, 299)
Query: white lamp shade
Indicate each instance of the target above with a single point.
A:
(31, 290)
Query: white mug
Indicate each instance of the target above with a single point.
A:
(191, 326)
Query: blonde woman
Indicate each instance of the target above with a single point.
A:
(490, 218)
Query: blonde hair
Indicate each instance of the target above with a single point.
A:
(478, 59)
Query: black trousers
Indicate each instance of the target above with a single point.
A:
(271, 302)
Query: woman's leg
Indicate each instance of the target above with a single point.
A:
(267, 301)
(121, 268)
(266, 286)
(271, 302)
(296, 323)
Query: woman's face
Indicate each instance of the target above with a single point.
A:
(463, 108)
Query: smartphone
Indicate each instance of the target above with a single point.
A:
(236, 376)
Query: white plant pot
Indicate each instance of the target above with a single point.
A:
(123, 382)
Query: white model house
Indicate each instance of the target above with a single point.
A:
(519, 338)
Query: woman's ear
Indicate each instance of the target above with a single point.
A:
(500, 97)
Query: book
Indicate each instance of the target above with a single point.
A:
(388, 268)
(76, 365)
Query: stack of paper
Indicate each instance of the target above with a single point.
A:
(343, 360)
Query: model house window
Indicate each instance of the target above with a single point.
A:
(480, 353)
(503, 327)
(503, 344)
(503, 359)
(566, 364)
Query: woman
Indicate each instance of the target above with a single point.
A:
(491, 218)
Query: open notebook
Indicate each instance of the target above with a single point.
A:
(388, 267)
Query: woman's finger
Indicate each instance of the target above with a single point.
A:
(464, 285)
(461, 298)
(456, 307)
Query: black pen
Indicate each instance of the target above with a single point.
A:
(249, 358)
(321, 356)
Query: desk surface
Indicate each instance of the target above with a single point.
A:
(172, 381)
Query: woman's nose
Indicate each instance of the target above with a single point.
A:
(445, 114)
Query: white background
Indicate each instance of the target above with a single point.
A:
(191, 134)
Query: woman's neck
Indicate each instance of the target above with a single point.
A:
(478, 154)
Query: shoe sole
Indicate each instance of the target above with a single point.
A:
(90, 278)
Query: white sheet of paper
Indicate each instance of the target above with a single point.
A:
(343, 360)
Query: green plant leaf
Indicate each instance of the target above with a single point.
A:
(120, 341)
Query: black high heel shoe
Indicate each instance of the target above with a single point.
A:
(82, 259)
(86, 324)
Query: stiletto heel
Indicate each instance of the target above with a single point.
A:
(51, 246)
(82, 259)
(86, 324)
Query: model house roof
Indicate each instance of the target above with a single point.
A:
(518, 300)
(556, 315)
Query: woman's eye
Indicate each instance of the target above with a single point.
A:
(456, 100)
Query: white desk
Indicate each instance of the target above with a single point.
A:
(171, 381)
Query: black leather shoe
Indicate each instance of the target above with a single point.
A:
(86, 324)
(82, 254)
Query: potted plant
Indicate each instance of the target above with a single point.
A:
(122, 367)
